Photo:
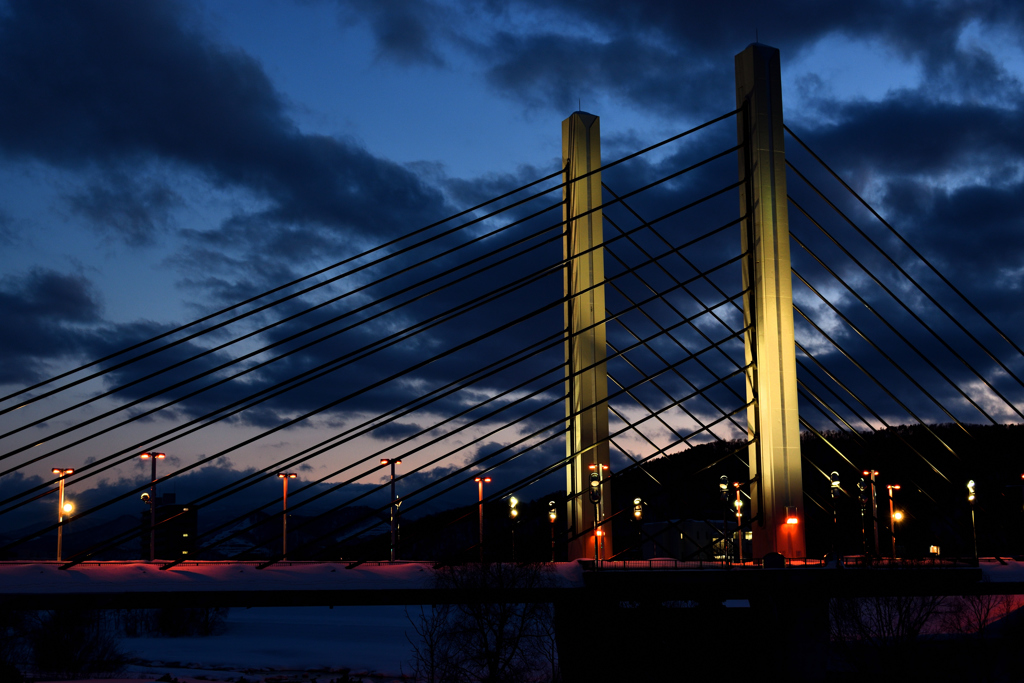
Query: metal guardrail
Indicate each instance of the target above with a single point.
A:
(860, 561)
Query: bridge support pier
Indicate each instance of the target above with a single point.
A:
(773, 421)
(586, 382)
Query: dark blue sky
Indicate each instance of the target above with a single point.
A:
(161, 160)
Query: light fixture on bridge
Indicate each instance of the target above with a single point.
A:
(638, 509)
(974, 527)
(62, 506)
(284, 477)
(892, 516)
(513, 511)
(480, 481)
(152, 456)
(395, 503)
(552, 515)
(791, 515)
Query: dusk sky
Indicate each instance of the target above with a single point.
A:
(161, 160)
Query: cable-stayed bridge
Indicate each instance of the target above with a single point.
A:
(624, 332)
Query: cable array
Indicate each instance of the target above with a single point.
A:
(364, 350)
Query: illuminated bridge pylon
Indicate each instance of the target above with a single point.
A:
(773, 421)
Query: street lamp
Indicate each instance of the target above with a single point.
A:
(595, 497)
(552, 516)
(394, 506)
(480, 481)
(974, 528)
(834, 479)
(892, 516)
(284, 477)
(152, 457)
(513, 513)
(871, 474)
(63, 507)
(738, 504)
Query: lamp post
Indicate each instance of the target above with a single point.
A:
(553, 517)
(638, 517)
(480, 481)
(394, 507)
(892, 516)
(834, 478)
(63, 508)
(738, 504)
(862, 491)
(284, 477)
(974, 528)
(723, 489)
(152, 456)
(596, 472)
(871, 474)
(513, 514)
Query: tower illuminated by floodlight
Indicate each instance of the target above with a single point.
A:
(773, 421)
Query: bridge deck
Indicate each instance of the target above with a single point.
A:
(233, 584)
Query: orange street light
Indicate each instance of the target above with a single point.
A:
(152, 456)
(480, 481)
(892, 516)
(284, 477)
(63, 507)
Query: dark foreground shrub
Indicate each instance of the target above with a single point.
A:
(70, 643)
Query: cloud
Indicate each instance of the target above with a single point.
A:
(126, 207)
(45, 316)
(405, 30)
(108, 83)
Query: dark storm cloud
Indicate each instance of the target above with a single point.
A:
(8, 233)
(554, 71)
(124, 206)
(103, 83)
(405, 30)
(901, 135)
(44, 316)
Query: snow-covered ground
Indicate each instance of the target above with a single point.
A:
(282, 644)
(269, 642)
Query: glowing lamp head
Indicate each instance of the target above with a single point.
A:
(897, 516)
(552, 512)
(513, 513)
(791, 516)
(723, 483)
(156, 456)
(970, 490)
(63, 472)
(598, 532)
(286, 475)
(485, 480)
(68, 507)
